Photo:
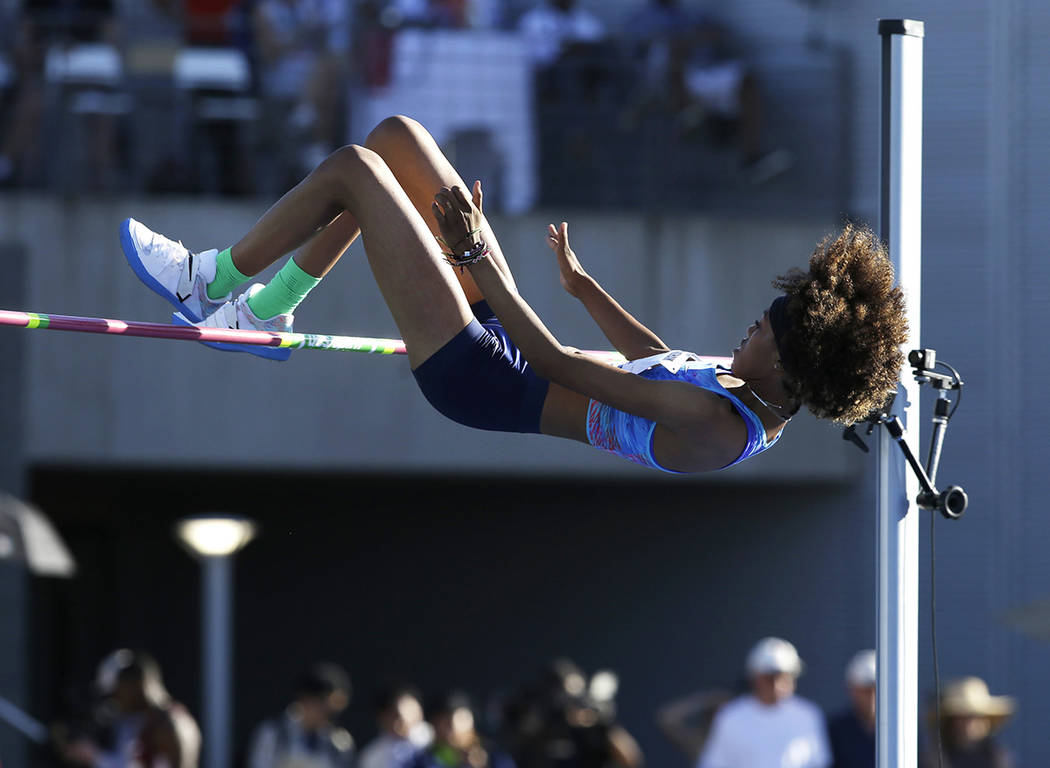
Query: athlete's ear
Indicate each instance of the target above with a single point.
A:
(478, 195)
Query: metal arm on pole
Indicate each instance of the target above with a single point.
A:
(952, 501)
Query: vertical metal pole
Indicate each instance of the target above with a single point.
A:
(216, 599)
(897, 488)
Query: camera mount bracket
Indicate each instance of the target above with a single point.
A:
(952, 501)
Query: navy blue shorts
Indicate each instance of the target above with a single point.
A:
(480, 379)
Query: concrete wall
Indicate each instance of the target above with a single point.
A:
(700, 283)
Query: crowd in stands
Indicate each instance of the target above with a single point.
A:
(136, 97)
(560, 718)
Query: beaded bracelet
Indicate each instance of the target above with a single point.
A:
(477, 252)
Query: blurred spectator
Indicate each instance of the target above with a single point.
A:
(658, 35)
(686, 722)
(691, 66)
(430, 13)
(206, 150)
(136, 723)
(403, 733)
(852, 732)
(302, 47)
(40, 25)
(372, 46)
(771, 726)
(970, 719)
(207, 22)
(559, 720)
(552, 28)
(407, 13)
(574, 63)
(305, 734)
(449, 13)
(457, 743)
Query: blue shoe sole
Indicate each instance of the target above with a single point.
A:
(132, 255)
(278, 354)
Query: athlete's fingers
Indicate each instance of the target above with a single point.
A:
(478, 195)
(444, 201)
(461, 198)
(453, 203)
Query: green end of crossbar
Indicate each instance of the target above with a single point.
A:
(37, 321)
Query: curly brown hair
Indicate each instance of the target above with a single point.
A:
(847, 323)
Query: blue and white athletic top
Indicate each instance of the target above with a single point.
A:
(632, 436)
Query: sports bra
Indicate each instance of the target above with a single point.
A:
(631, 436)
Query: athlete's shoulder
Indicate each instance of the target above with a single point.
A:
(712, 428)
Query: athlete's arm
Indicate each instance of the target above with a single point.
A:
(632, 339)
(708, 431)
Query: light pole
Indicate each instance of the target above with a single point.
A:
(214, 539)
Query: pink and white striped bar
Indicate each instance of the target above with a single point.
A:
(40, 321)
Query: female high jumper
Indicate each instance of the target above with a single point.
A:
(483, 358)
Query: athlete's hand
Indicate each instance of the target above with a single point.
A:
(458, 218)
(573, 275)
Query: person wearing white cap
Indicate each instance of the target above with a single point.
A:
(771, 727)
(852, 731)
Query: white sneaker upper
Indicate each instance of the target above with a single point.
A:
(237, 314)
(172, 270)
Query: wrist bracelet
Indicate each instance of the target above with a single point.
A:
(477, 252)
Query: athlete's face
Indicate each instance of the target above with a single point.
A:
(757, 355)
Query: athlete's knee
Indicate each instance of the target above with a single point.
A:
(392, 132)
(350, 162)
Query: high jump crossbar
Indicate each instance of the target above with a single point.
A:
(321, 341)
(39, 321)
(897, 489)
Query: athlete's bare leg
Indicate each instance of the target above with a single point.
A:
(353, 189)
(325, 248)
(422, 169)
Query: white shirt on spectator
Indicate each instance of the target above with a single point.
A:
(748, 734)
(282, 742)
(547, 29)
(388, 751)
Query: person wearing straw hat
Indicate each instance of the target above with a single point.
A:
(771, 727)
(483, 358)
(970, 719)
(852, 731)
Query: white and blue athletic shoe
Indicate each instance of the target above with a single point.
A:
(236, 314)
(170, 270)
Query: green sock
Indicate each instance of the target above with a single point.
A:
(227, 276)
(283, 293)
